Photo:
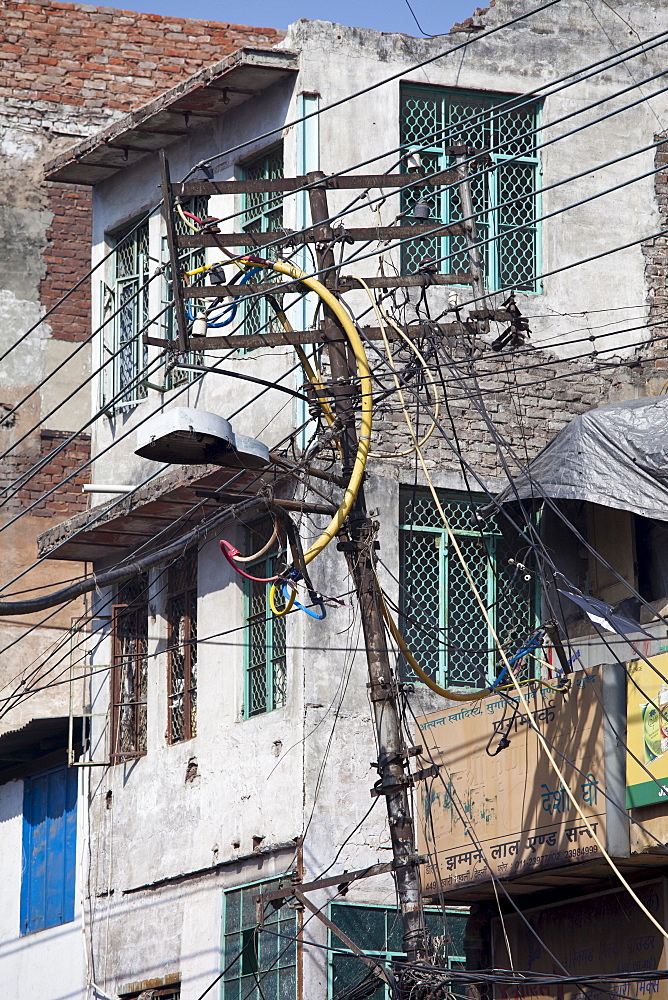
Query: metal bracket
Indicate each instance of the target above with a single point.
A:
(406, 780)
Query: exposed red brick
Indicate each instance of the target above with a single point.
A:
(73, 32)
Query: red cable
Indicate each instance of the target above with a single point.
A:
(195, 218)
(231, 553)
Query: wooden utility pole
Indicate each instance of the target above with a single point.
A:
(383, 686)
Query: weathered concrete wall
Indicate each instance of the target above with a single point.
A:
(323, 777)
(67, 70)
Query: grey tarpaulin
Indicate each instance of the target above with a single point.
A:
(616, 456)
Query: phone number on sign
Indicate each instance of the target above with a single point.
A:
(577, 852)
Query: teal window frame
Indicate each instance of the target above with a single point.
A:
(189, 259)
(265, 653)
(262, 213)
(129, 268)
(439, 616)
(516, 171)
(391, 950)
(260, 950)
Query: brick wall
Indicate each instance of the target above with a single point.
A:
(98, 57)
(68, 499)
(76, 64)
(66, 259)
(656, 252)
(528, 407)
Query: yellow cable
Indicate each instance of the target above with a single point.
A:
(592, 832)
(281, 612)
(525, 704)
(366, 390)
(380, 313)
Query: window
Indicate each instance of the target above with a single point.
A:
(182, 643)
(265, 633)
(378, 931)
(441, 619)
(263, 213)
(49, 849)
(504, 197)
(189, 260)
(267, 964)
(171, 992)
(125, 313)
(129, 671)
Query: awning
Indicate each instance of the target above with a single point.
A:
(616, 456)
(117, 526)
(206, 95)
(38, 739)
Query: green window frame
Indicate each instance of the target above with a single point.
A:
(124, 316)
(265, 673)
(440, 617)
(190, 259)
(505, 198)
(267, 966)
(262, 213)
(378, 931)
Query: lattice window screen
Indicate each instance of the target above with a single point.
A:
(504, 198)
(263, 213)
(125, 315)
(266, 663)
(441, 619)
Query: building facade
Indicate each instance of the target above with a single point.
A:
(227, 746)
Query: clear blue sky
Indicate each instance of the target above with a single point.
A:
(384, 15)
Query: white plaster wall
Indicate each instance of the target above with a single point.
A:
(48, 963)
(160, 826)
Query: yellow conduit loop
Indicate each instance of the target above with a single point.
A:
(366, 417)
(281, 612)
(380, 313)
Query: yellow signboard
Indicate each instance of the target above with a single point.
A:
(508, 814)
(647, 732)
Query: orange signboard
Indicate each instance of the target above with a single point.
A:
(508, 813)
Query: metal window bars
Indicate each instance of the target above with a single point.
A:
(441, 620)
(433, 120)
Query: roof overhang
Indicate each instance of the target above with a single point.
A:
(206, 95)
(39, 744)
(117, 527)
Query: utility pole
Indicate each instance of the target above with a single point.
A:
(383, 688)
(476, 270)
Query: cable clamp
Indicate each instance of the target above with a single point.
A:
(404, 781)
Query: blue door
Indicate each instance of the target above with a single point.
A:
(49, 849)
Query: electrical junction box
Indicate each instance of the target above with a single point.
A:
(183, 436)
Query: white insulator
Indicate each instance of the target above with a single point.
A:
(453, 299)
(199, 326)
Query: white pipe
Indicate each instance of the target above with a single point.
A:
(94, 488)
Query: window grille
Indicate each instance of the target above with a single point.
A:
(440, 617)
(172, 992)
(267, 964)
(125, 313)
(266, 667)
(48, 868)
(504, 197)
(190, 260)
(263, 213)
(129, 672)
(378, 931)
(182, 642)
